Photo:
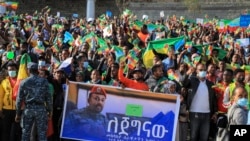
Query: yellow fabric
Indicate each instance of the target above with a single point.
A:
(232, 86)
(6, 101)
(22, 73)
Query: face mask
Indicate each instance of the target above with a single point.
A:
(41, 63)
(85, 64)
(1, 51)
(243, 102)
(12, 73)
(39, 43)
(202, 74)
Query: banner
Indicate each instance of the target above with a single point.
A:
(244, 20)
(103, 113)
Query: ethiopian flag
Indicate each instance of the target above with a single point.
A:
(160, 46)
(22, 73)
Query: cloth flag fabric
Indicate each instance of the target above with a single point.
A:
(55, 62)
(160, 46)
(66, 65)
(173, 76)
(67, 37)
(118, 52)
(22, 73)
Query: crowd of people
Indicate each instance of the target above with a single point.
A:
(209, 69)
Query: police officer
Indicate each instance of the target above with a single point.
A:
(88, 122)
(34, 93)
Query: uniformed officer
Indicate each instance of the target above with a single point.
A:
(89, 122)
(34, 93)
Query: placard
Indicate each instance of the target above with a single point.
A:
(103, 113)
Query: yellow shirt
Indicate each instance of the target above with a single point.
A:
(6, 91)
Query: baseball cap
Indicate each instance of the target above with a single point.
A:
(137, 69)
(32, 65)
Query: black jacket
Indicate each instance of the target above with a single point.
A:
(192, 88)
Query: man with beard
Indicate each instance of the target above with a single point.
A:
(239, 76)
(137, 81)
(88, 123)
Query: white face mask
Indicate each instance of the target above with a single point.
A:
(85, 64)
(202, 74)
(12, 73)
(41, 63)
(39, 43)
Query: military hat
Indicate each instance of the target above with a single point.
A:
(32, 65)
(98, 90)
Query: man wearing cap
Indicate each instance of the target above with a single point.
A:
(89, 122)
(137, 83)
(34, 93)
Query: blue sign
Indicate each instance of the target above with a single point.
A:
(108, 13)
(244, 20)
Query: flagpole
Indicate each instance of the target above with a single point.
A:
(2, 8)
(90, 13)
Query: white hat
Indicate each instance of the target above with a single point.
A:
(90, 19)
(145, 17)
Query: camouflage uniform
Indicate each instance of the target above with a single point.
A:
(84, 123)
(34, 92)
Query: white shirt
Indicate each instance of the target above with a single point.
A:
(200, 103)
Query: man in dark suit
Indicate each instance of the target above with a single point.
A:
(201, 103)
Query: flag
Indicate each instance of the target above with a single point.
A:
(209, 50)
(22, 73)
(136, 49)
(66, 65)
(68, 37)
(218, 87)
(39, 49)
(118, 52)
(232, 66)
(246, 68)
(102, 50)
(87, 38)
(160, 46)
(196, 60)
(55, 48)
(187, 61)
(14, 5)
(222, 53)
(172, 75)
(101, 42)
(188, 46)
(55, 62)
(179, 44)
(237, 44)
(137, 25)
(132, 59)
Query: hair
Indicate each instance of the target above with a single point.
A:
(33, 71)
(185, 65)
(115, 65)
(236, 71)
(12, 64)
(230, 71)
(238, 87)
(155, 67)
